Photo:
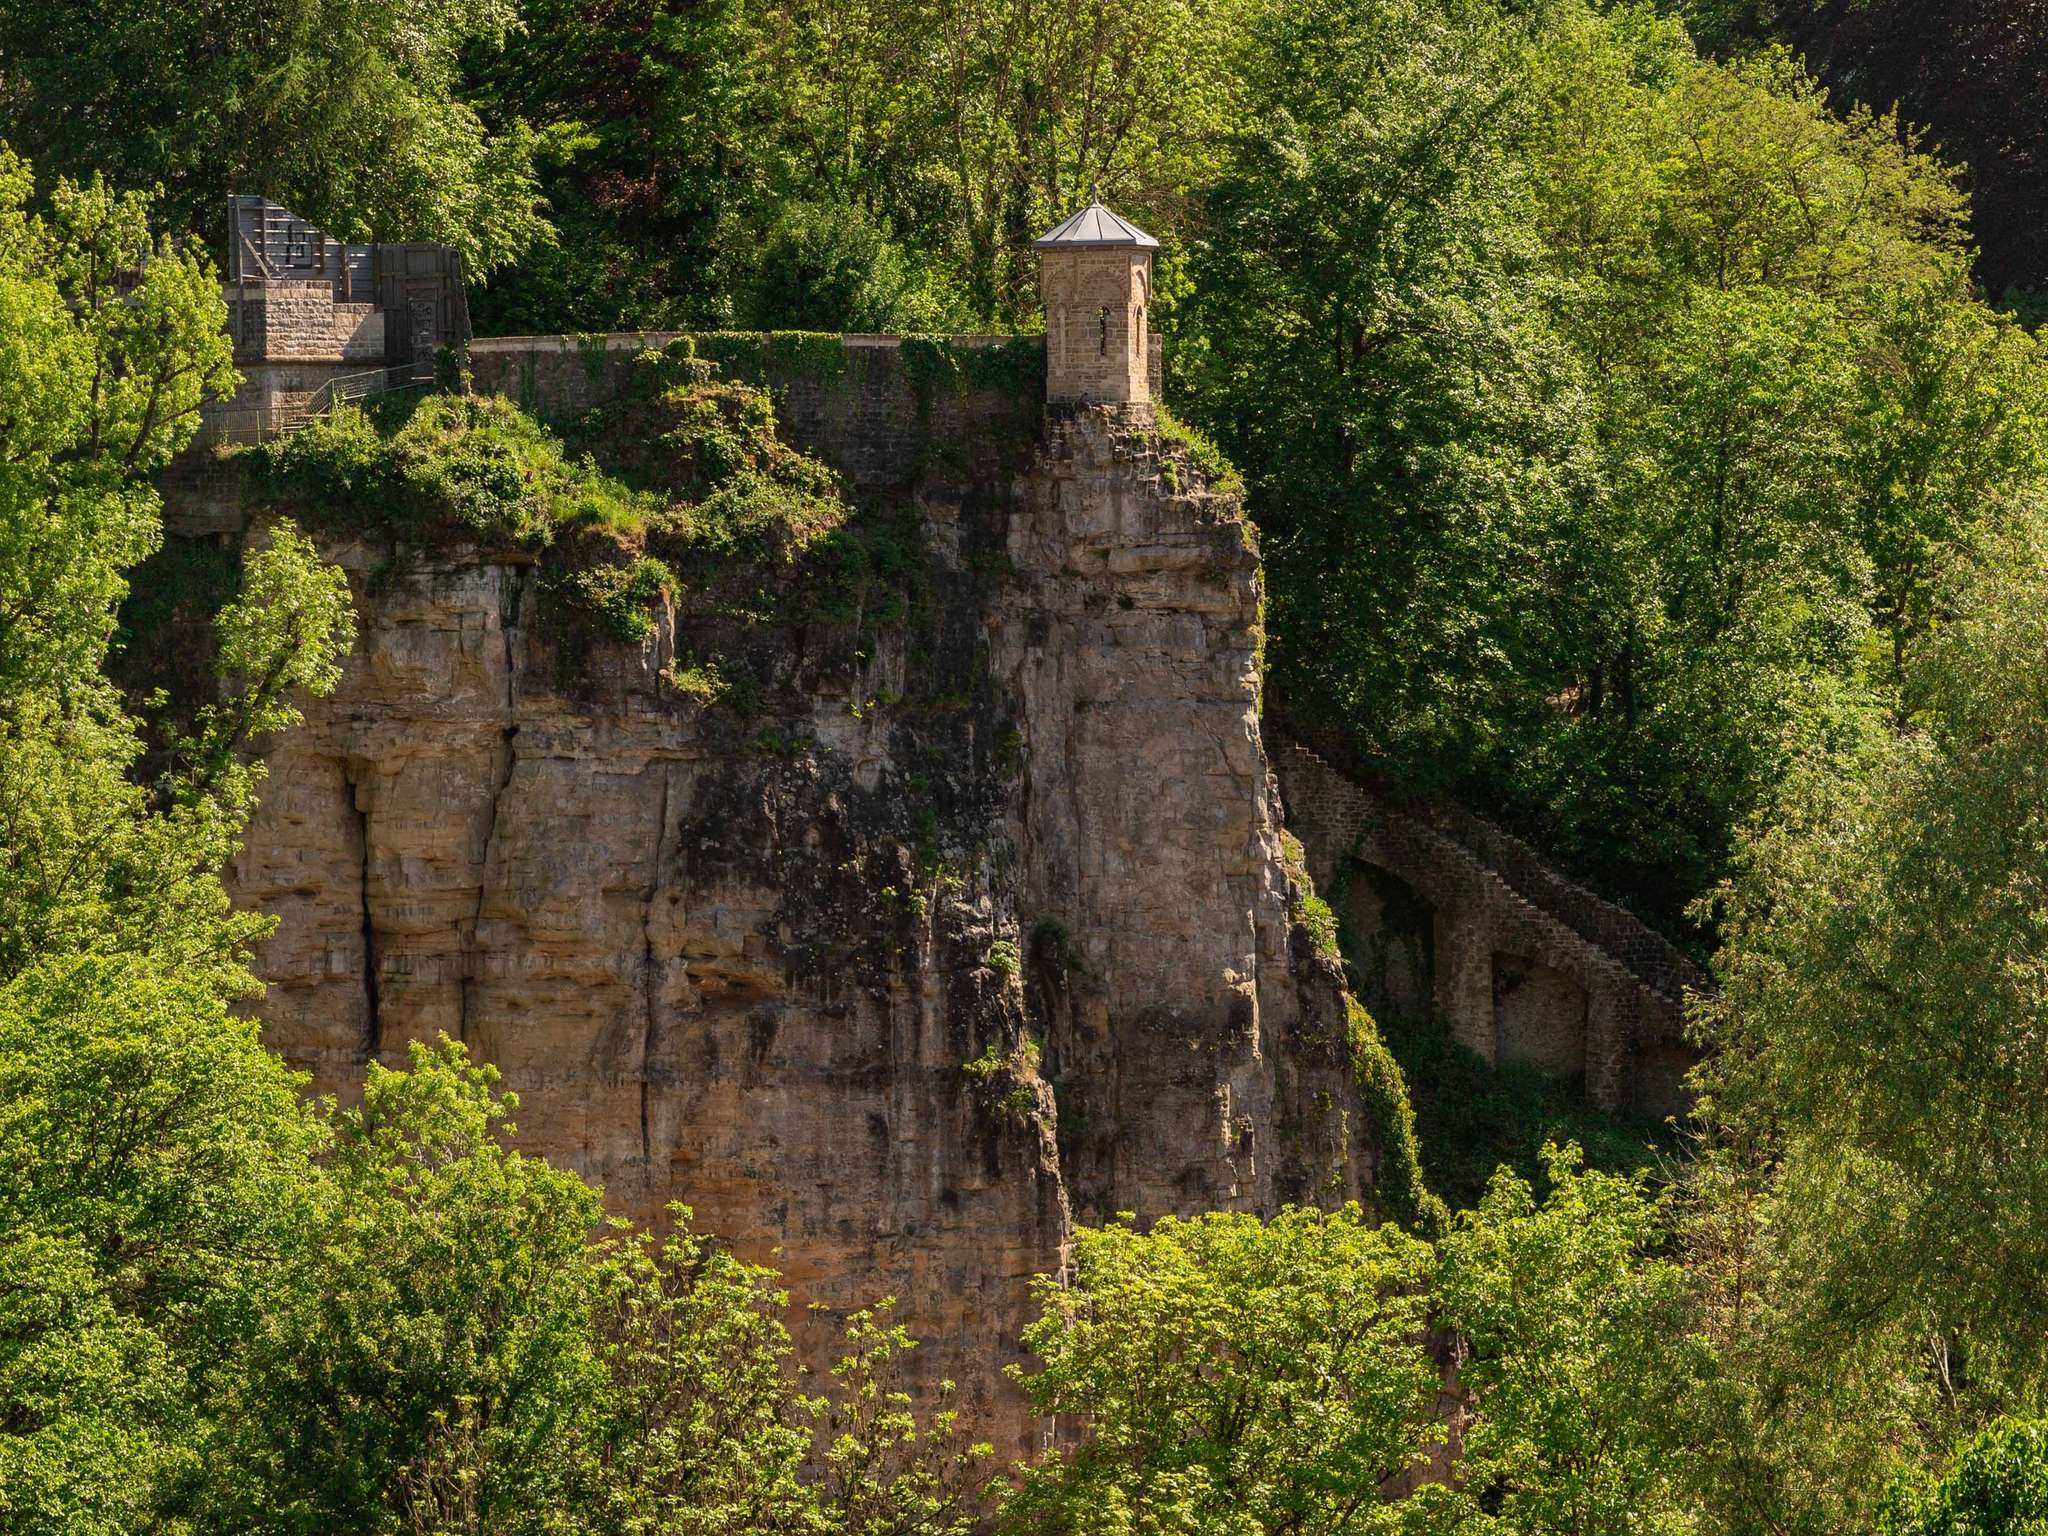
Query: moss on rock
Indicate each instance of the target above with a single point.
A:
(1402, 1191)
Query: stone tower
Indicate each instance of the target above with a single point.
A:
(1095, 273)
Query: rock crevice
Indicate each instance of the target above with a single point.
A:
(906, 978)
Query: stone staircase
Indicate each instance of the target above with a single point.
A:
(227, 422)
(1494, 895)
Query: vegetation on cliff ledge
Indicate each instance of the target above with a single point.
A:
(682, 490)
(443, 467)
(690, 468)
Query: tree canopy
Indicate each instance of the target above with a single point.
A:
(1636, 458)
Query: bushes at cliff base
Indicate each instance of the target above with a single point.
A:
(1997, 1486)
(1590, 1378)
(1232, 1375)
(1228, 1376)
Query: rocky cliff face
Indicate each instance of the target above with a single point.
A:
(971, 926)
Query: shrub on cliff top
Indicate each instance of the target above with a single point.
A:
(476, 466)
(680, 430)
(693, 471)
(728, 487)
(1201, 452)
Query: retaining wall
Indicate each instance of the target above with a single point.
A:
(877, 407)
(1519, 963)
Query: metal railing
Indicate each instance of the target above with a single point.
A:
(350, 388)
(267, 423)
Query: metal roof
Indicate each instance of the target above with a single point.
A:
(1093, 225)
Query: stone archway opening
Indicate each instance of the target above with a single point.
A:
(1539, 1017)
(1390, 933)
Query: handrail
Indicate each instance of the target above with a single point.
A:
(347, 388)
(259, 424)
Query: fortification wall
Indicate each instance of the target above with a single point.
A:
(1467, 925)
(880, 408)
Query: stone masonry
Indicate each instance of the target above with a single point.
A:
(1455, 919)
(1095, 275)
(310, 315)
(302, 322)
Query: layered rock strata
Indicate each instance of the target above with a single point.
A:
(971, 926)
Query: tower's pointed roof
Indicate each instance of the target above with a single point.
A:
(1093, 225)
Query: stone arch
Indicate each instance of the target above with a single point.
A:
(1102, 286)
(1539, 1017)
(1525, 967)
(1390, 933)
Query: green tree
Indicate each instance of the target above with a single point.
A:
(349, 111)
(677, 130)
(1734, 263)
(429, 1348)
(699, 1429)
(1962, 70)
(1946, 432)
(942, 134)
(1880, 1000)
(1998, 1486)
(459, 1341)
(151, 1151)
(1368, 344)
(111, 342)
(1596, 402)
(1730, 620)
(831, 268)
(1585, 1366)
(87, 1393)
(149, 1148)
(1230, 1375)
(890, 1470)
(103, 379)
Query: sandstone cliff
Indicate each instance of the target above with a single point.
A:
(969, 926)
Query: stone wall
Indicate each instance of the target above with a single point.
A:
(291, 338)
(977, 922)
(299, 321)
(1461, 922)
(880, 408)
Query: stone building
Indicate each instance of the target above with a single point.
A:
(1095, 273)
(310, 314)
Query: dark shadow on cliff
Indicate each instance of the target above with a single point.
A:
(1472, 1118)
